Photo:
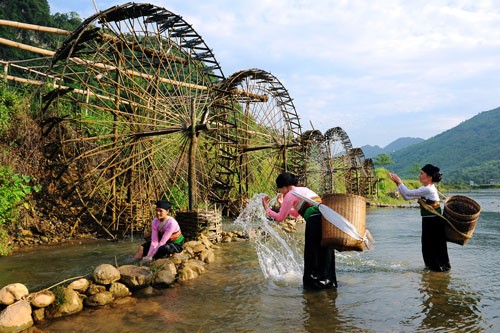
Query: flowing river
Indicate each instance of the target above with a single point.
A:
(384, 290)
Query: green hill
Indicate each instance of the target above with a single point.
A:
(467, 152)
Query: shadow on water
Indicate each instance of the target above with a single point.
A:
(449, 305)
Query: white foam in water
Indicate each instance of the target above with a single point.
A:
(277, 252)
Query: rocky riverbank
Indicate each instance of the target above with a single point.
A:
(21, 309)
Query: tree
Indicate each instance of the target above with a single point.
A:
(383, 159)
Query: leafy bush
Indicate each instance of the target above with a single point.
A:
(8, 102)
(14, 189)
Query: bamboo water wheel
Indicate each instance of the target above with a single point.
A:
(266, 139)
(133, 117)
(316, 167)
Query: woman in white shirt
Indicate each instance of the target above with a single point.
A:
(434, 248)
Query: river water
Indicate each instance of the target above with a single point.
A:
(384, 290)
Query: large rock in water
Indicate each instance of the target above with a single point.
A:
(42, 298)
(72, 304)
(135, 277)
(12, 292)
(16, 317)
(106, 274)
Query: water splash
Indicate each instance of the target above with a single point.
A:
(278, 254)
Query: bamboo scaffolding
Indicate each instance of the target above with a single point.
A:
(262, 98)
(34, 27)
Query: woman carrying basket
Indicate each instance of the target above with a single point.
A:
(434, 248)
(319, 261)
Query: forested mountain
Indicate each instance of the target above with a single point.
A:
(373, 151)
(467, 152)
(32, 12)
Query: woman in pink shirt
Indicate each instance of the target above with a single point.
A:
(166, 235)
(319, 261)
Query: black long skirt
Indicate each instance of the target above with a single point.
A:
(434, 247)
(319, 261)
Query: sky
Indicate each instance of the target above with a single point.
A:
(379, 69)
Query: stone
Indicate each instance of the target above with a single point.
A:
(207, 255)
(42, 298)
(72, 304)
(119, 290)
(38, 315)
(163, 279)
(12, 292)
(106, 274)
(187, 273)
(79, 285)
(16, 317)
(94, 289)
(99, 299)
(178, 258)
(165, 264)
(135, 277)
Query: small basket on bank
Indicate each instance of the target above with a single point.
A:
(353, 208)
(462, 214)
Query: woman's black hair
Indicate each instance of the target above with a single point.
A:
(165, 204)
(432, 171)
(286, 179)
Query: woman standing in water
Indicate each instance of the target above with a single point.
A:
(319, 261)
(434, 248)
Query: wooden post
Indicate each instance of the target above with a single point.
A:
(192, 160)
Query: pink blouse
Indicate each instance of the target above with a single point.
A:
(291, 204)
(167, 229)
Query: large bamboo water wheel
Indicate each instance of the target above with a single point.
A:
(266, 139)
(133, 117)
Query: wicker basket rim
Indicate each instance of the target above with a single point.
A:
(349, 195)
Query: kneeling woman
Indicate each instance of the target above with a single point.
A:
(166, 235)
(319, 261)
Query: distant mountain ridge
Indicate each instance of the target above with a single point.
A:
(372, 151)
(468, 152)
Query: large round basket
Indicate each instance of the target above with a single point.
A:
(353, 208)
(462, 212)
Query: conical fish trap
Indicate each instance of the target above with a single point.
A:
(462, 212)
(353, 208)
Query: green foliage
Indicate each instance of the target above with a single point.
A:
(383, 159)
(8, 102)
(467, 152)
(32, 12)
(14, 188)
(60, 294)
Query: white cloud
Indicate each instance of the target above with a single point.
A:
(365, 64)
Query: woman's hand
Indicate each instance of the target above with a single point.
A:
(265, 202)
(395, 178)
(279, 198)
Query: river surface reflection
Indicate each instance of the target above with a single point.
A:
(385, 290)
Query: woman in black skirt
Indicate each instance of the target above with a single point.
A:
(434, 247)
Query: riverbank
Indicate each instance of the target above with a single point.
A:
(21, 309)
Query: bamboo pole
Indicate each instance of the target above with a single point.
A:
(34, 27)
(26, 47)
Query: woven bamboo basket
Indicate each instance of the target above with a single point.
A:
(353, 208)
(463, 213)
